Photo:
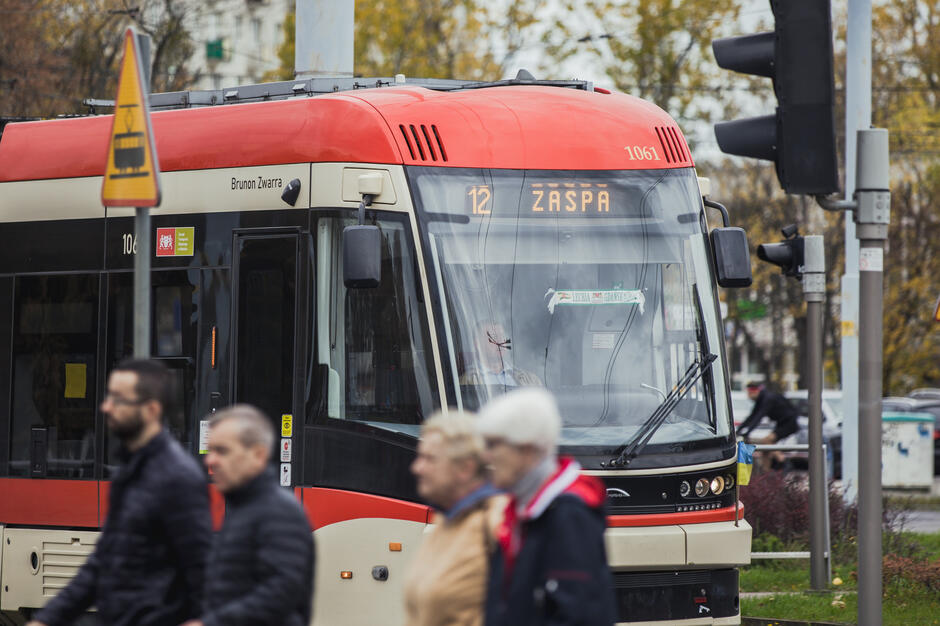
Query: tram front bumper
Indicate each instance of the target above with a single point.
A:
(682, 546)
(679, 574)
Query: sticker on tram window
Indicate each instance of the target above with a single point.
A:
(75, 380)
(176, 241)
(594, 297)
(549, 199)
(287, 425)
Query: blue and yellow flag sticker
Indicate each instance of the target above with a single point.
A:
(745, 463)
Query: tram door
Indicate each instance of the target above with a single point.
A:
(266, 278)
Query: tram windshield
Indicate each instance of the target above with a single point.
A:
(595, 285)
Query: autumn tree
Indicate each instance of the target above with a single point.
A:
(906, 94)
(55, 53)
(659, 50)
(466, 39)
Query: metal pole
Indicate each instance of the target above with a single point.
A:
(814, 292)
(323, 41)
(857, 116)
(142, 237)
(826, 523)
(869, 435)
(142, 284)
(872, 219)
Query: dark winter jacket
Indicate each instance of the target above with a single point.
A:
(777, 408)
(261, 565)
(550, 567)
(148, 565)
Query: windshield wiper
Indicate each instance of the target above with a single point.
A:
(629, 451)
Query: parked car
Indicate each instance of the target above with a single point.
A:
(925, 393)
(741, 407)
(926, 401)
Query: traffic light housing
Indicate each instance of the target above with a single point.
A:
(786, 254)
(800, 137)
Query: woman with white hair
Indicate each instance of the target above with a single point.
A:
(550, 566)
(446, 582)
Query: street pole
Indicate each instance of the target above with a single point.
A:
(142, 284)
(872, 217)
(857, 117)
(323, 40)
(142, 236)
(872, 210)
(814, 292)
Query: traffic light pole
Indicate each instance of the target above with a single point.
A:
(814, 292)
(872, 211)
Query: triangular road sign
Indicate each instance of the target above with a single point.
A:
(132, 174)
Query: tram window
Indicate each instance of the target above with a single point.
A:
(267, 284)
(55, 339)
(173, 333)
(169, 302)
(374, 341)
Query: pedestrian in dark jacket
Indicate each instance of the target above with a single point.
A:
(550, 567)
(148, 564)
(260, 568)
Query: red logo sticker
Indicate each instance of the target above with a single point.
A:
(166, 241)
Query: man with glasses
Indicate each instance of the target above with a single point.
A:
(148, 565)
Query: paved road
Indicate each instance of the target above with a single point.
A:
(923, 521)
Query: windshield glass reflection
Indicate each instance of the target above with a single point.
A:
(595, 285)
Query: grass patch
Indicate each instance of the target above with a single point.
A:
(913, 502)
(905, 601)
(775, 576)
(929, 543)
(915, 606)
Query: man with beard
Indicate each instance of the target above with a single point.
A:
(148, 565)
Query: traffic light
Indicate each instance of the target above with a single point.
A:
(787, 254)
(800, 137)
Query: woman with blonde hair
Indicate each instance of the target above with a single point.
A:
(446, 582)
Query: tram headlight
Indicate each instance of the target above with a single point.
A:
(701, 487)
(685, 489)
(717, 485)
(729, 481)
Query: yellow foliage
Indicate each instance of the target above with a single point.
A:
(659, 50)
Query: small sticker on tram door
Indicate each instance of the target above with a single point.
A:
(285, 450)
(285, 474)
(203, 436)
(287, 425)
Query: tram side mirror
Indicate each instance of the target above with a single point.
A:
(732, 259)
(362, 257)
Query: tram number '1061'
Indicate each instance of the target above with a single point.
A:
(129, 243)
(641, 153)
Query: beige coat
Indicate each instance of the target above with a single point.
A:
(446, 582)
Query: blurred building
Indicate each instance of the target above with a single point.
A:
(236, 41)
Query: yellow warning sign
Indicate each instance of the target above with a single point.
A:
(132, 174)
(287, 425)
